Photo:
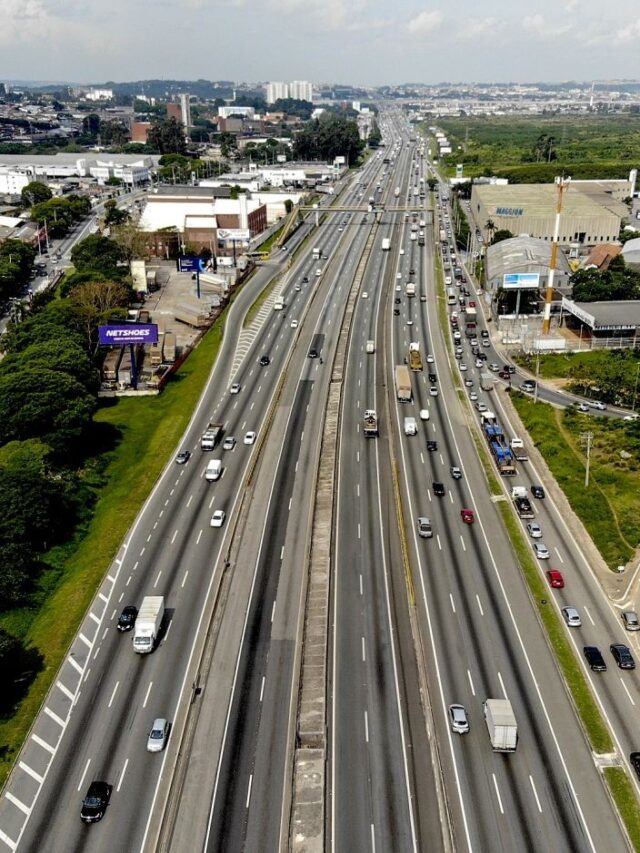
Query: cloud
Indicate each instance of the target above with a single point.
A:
(425, 23)
(478, 27)
(538, 27)
(629, 33)
(328, 15)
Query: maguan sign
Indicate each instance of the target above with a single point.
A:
(123, 334)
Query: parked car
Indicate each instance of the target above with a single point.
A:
(631, 621)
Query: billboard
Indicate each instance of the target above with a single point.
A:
(521, 281)
(191, 263)
(123, 334)
(240, 235)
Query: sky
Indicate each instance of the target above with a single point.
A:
(365, 42)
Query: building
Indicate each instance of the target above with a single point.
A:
(140, 131)
(631, 253)
(601, 256)
(174, 111)
(245, 112)
(12, 181)
(587, 217)
(277, 91)
(185, 110)
(99, 95)
(608, 319)
(301, 90)
(131, 168)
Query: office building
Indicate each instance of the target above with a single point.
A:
(276, 92)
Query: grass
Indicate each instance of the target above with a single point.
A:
(268, 244)
(149, 429)
(625, 799)
(610, 507)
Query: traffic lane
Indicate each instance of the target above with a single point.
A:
(228, 819)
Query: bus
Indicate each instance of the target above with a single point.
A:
(451, 296)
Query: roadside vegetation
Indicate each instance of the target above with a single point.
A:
(535, 150)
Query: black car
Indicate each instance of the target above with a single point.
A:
(537, 492)
(594, 658)
(305, 279)
(264, 360)
(183, 457)
(313, 353)
(412, 272)
(438, 489)
(396, 312)
(634, 760)
(432, 445)
(484, 333)
(433, 378)
(127, 618)
(622, 656)
(397, 300)
(95, 802)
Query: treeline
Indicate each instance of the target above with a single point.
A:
(16, 267)
(49, 379)
(615, 283)
(327, 137)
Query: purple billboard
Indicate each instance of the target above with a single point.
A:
(123, 334)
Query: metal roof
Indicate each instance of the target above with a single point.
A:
(606, 316)
(523, 254)
(541, 199)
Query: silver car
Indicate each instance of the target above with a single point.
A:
(157, 739)
(541, 550)
(534, 530)
(631, 621)
(571, 617)
(458, 719)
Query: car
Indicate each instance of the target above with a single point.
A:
(528, 387)
(183, 457)
(433, 378)
(473, 342)
(482, 356)
(365, 295)
(399, 275)
(423, 298)
(468, 382)
(634, 760)
(484, 333)
(622, 656)
(556, 579)
(95, 802)
(398, 288)
(458, 353)
(462, 366)
(458, 719)
(534, 530)
(479, 362)
(340, 229)
(297, 288)
(467, 516)
(397, 300)
(571, 616)
(456, 473)
(494, 367)
(249, 437)
(313, 353)
(438, 489)
(594, 658)
(412, 272)
(402, 251)
(598, 404)
(424, 527)
(631, 621)
(305, 279)
(433, 391)
(157, 739)
(486, 342)
(504, 374)
(396, 312)
(630, 417)
(229, 443)
(235, 388)
(582, 407)
(218, 517)
(432, 445)
(264, 360)
(409, 322)
(537, 492)
(127, 618)
(541, 551)
(424, 414)
(294, 324)
(481, 407)
(473, 396)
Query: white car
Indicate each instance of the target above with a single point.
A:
(424, 414)
(218, 517)
(534, 530)
(473, 396)
(249, 437)
(433, 391)
(294, 324)
(630, 418)
(398, 288)
(541, 551)
(365, 295)
(479, 362)
(583, 407)
(597, 404)
(399, 275)
(486, 342)
(481, 407)
(229, 443)
(463, 366)
(429, 359)
(235, 388)
(297, 288)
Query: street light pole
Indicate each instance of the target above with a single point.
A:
(635, 388)
(588, 436)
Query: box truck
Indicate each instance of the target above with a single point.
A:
(148, 624)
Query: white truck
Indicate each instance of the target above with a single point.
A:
(397, 192)
(370, 424)
(371, 347)
(278, 303)
(213, 470)
(487, 381)
(210, 436)
(518, 449)
(386, 244)
(410, 426)
(410, 288)
(501, 724)
(148, 622)
(316, 253)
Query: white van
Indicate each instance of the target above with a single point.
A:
(410, 426)
(424, 414)
(214, 470)
(371, 347)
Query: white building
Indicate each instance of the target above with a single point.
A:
(301, 90)
(227, 112)
(99, 95)
(22, 168)
(12, 181)
(276, 91)
(185, 107)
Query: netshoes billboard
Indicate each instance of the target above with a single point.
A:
(123, 334)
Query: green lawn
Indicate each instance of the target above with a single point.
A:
(625, 798)
(149, 430)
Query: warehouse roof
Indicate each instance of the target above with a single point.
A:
(523, 254)
(631, 251)
(606, 316)
(541, 200)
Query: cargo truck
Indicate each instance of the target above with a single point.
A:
(370, 424)
(498, 445)
(403, 383)
(386, 244)
(501, 725)
(410, 289)
(169, 348)
(487, 381)
(415, 359)
(278, 303)
(521, 502)
(210, 436)
(518, 449)
(192, 317)
(148, 622)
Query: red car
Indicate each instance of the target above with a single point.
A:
(472, 303)
(467, 516)
(555, 579)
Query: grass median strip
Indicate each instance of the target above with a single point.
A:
(625, 798)
(146, 431)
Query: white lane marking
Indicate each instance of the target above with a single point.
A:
(264, 678)
(211, 501)
(128, 580)
(43, 744)
(558, 553)
(495, 785)
(103, 597)
(366, 726)
(282, 552)
(113, 695)
(86, 675)
(249, 791)
(54, 717)
(157, 579)
(441, 459)
(135, 566)
(173, 538)
(149, 536)
(273, 611)
(586, 610)
(84, 772)
(451, 496)
(74, 663)
(188, 505)
(357, 455)
(124, 770)
(535, 794)
(453, 607)
(97, 652)
(290, 501)
(142, 552)
(198, 539)
(473, 690)
(438, 541)
(422, 457)
(65, 690)
(94, 617)
(504, 690)
(464, 547)
(113, 615)
(373, 838)
(18, 803)
(358, 530)
(364, 652)
(184, 579)
(361, 585)
(146, 695)
(358, 489)
(626, 690)
(479, 605)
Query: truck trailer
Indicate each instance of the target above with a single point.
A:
(415, 359)
(501, 725)
(403, 383)
(210, 436)
(386, 244)
(148, 622)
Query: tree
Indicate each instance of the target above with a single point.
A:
(35, 192)
(60, 213)
(490, 228)
(65, 354)
(288, 205)
(115, 215)
(328, 137)
(97, 253)
(99, 302)
(113, 133)
(167, 137)
(501, 234)
(375, 137)
(432, 183)
(16, 568)
(91, 125)
(132, 240)
(594, 285)
(58, 319)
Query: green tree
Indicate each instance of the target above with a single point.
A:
(113, 133)
(99, 302)
(375, 137)
(114, 215)
(490, 228)
(35, 192)
(501, 234)
(91, 125)
(17, 566)
(97, 253)
(167, 137)
(60, 213)
(65, 354)
(58, 319)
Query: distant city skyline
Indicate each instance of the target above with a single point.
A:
(363, 42)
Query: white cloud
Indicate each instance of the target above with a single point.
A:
(328, 15)
(629, 33)
(537, 26)
(478, 27)
(425, 23)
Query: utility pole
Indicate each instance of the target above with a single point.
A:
(562, 185)
(635, 388)
(535, 392)
(588, 437)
